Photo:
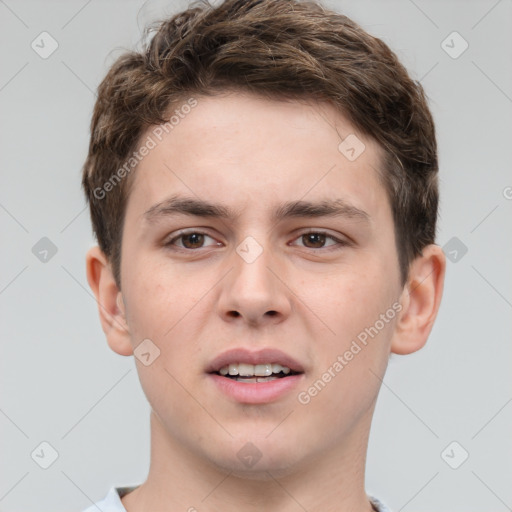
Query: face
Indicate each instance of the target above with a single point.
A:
(293, 264)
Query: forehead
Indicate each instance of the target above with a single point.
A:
(241, 149)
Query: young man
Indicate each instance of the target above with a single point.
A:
(263, 187)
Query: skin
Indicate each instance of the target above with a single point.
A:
(309, 299)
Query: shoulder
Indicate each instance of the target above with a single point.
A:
(112, 501)
(378, 505)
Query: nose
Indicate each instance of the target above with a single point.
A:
(254, 292)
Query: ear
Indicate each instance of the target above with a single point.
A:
(420, 301)
(110, 302)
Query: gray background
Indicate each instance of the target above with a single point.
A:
(61, 383)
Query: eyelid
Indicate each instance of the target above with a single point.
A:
(340, 242)
(184, 232)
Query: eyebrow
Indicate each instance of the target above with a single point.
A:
(179, 205)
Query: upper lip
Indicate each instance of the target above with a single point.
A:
(262, 356)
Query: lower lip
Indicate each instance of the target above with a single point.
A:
(256, 392)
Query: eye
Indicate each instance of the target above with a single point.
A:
(190, 240)
(193, 240)
(317, 240)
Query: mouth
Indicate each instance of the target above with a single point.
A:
(255, 377)
(244, 372)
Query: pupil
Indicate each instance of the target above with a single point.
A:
(197, 239)
(316, 238)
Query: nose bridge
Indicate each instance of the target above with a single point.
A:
(252, 290)
(251, 261)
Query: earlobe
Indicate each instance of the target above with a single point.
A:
(110, 304)
(421, 299)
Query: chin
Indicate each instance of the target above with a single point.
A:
(258, 459)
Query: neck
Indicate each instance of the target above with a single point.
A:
(181, 480)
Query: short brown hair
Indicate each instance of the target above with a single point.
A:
(281, 49)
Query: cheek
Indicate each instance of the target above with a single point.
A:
(352, 299)
(171, 310)
(148, 309)
(352, 307)
(156, 298)
(346, 382)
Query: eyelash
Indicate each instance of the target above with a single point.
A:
(339, 243)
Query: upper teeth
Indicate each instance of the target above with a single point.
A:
(251, 370)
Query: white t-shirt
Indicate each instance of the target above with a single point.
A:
(112, 501)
